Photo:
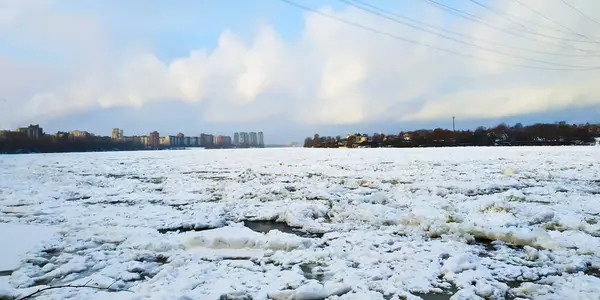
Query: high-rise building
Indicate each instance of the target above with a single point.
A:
(34, 132)
(206, 140)
(222, 140)
(261, 139)
(174, 140)
(244, 139)
(153, 139)
(226, 140)
(253, 139)
(117, 133)
(236, 138)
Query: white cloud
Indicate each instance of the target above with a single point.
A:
(333, 74)
(507, 100)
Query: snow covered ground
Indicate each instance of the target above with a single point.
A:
(466, 223)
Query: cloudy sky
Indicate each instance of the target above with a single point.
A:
(222, 66)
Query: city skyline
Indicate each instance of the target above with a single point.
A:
(152, 139)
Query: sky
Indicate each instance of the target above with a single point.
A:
(197, 66)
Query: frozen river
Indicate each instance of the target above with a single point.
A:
(466, 223)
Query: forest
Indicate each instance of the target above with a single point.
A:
(540, 134)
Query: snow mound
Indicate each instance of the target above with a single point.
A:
(572, 286)
(312, 291)
(233, 237)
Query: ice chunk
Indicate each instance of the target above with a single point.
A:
(517, 236)
(508, 170)
(459, 263)
(313, 291)
(233, 237)
(467, 293)
(282, 295)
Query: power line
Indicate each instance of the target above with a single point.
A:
(468, 36)
(579, 11)
(477, 19)
(525, 29)
(547, 18)
(457, 40)
(445, 36)
(426, 45)
(511, 17)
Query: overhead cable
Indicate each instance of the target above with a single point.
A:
(477, 19)
(579, 11)
(407, 40)
(555, 22)
(361, 4)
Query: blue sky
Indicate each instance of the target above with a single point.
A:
(221, 66)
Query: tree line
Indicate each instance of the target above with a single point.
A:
(539, 134)
(18, 143)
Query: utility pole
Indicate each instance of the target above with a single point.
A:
(453, 131)
(453, 128)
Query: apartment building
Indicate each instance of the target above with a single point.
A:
(222, 140)
(116, 133)
(244, 139)
(153, 139)
(32, 131)
(206, 140)
(172, 140)
(261, 139)
(78, 134)
(253, 139)
(236, 138)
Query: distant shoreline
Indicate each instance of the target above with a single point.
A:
(539, 134)
(48, 150)
(271, 147)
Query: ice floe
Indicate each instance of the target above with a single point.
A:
(451, 223)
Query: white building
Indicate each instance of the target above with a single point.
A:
(78, 133)
(171, 140)
(117, 133)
